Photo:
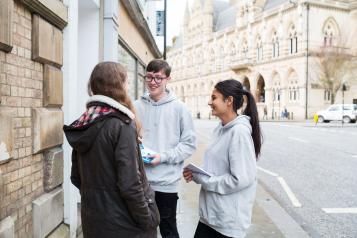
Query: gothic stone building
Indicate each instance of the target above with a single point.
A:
(268, 45)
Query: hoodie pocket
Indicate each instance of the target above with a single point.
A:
(221, 210)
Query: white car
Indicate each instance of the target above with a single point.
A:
(334, 113)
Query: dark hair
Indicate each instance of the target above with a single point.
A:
(235, 89)
(157, 65)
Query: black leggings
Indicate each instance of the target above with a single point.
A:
(204, 231)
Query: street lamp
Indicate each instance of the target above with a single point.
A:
(165, 32)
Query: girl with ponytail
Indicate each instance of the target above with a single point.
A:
(227, 196)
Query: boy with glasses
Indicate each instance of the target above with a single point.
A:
(167, 128)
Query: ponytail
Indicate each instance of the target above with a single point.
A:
(235, 89)
(251, 111)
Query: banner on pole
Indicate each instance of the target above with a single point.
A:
(160, 23)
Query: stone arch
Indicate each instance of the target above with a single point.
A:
(260, 92)
(246, 83)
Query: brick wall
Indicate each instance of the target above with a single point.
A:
(21, 81)
(31, 158)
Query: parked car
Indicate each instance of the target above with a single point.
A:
(334, 113)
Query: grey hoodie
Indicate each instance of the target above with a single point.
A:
(227, 197)
(168, 130)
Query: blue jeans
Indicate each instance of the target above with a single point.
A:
(167, 204)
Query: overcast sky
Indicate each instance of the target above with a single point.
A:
(175, 12)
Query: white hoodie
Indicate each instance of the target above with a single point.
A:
(227, 197)
(167, 129)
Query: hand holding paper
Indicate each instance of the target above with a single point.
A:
(195, 169)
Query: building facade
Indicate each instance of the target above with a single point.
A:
(47, 52)
(270, 46)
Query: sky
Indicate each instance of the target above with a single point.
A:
(175, 13)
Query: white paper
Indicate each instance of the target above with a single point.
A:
(196, 169)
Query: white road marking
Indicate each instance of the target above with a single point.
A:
(346, 210)
(268, 172)
(290, 194)
(298, 139)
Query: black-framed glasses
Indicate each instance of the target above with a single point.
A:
(149, 78)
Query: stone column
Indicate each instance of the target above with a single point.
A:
(111, 30)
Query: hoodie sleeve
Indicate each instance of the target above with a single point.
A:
(75, 177)
(187, 142)
(242, 167)
(129, 180)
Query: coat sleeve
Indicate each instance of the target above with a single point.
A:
(75, 177)
(187, 143)
(129, 180)
(242, 167)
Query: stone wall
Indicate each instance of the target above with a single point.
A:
(30, 114)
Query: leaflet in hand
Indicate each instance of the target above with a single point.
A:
(196, 169)
(146, 154)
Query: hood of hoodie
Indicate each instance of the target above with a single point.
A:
(239, 120)
(82, 138)
(170, 96)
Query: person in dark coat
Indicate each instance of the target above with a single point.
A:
(116, 199)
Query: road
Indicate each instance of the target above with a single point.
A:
(311, 171)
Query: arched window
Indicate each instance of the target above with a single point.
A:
(232, 51)
(293, 40)
(220, 60)
(330, 33)
(275, 42)
(259, 49)
(245, 49)
(293, 80)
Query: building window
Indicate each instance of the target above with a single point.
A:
(293, 40)
(259, 49)
(275, 49)
(328, 35)
(327, 95)
(245, 49)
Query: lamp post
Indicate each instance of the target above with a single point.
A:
(165, 11)
(279, 97)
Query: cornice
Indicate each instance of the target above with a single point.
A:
(325, 5)
(52, 10)
(136, 15)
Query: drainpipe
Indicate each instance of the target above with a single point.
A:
(307, 60)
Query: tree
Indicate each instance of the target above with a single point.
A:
(336, 68)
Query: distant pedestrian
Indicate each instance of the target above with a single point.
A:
(116, 200)
(227, 197)
(316, 118)
(285, 113)
(265, 116)
(167, 128)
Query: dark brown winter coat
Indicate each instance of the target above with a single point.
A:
(116, 200)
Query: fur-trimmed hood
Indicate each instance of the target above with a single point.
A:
(110, 102)
(82, 132)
